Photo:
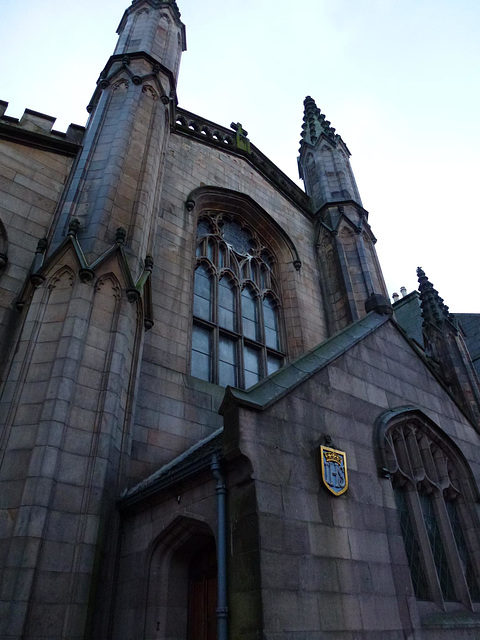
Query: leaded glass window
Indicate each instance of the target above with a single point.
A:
(412, 547)
(237, 337)
(432, 505)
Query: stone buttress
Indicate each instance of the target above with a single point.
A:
(344, 239)
(69, 392)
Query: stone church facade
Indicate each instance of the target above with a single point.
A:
(182, 330)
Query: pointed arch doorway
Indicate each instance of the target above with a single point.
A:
(202, 602)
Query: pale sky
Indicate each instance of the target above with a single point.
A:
(398, 79)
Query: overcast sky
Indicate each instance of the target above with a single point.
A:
(398, 79)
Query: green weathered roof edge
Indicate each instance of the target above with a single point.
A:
(276, 386)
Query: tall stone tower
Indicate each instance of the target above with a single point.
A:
(344, 240)
(68, 397)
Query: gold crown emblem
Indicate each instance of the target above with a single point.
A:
(332, 456)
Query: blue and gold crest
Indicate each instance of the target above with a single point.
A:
(334, 470)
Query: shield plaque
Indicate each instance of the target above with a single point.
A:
(334, 470)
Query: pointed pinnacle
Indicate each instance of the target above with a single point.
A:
(434, 310)
(314, 123)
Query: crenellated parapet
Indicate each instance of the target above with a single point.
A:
(36, 129)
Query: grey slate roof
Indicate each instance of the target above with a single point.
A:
(191, 461)
(276, 386)
(408, 314)
(470, 324)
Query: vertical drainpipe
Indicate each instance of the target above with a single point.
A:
(221, 491)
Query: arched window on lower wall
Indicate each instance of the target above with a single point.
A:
(434, 494)
(237, 338)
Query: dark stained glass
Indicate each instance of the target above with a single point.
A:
(266, 259)
(463, 552)
(227, 374)
(201, 353)
(204, 228)
(226, 305)
(412, 547)
(202, 298)
(271, 324)
(221, 257)
(226, 317)
(252, 366)
(211, 250)
(265, 278)
(249, 314)
(236, 236)
(438, 551)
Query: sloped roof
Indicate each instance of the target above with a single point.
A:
(191, 461)
(271, 389)
(470, 324)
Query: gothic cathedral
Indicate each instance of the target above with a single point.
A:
(214, 425)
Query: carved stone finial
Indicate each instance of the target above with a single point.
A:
(434, 311)
(133, 295)
(120, 235)
(41, 245)
(149, 262)
(37, 279)
(315, 123)
(73, 227)
(86, 275)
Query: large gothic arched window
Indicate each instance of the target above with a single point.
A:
(236, 326)
(433, 493)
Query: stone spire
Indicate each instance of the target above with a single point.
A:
(324, 163)
(434, 310)
(344, 242)
(315, 123)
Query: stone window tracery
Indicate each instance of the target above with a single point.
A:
(433, 494)
(237, 337)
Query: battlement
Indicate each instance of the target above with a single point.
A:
(36, 129)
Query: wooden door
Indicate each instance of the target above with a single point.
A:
(203, 594)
